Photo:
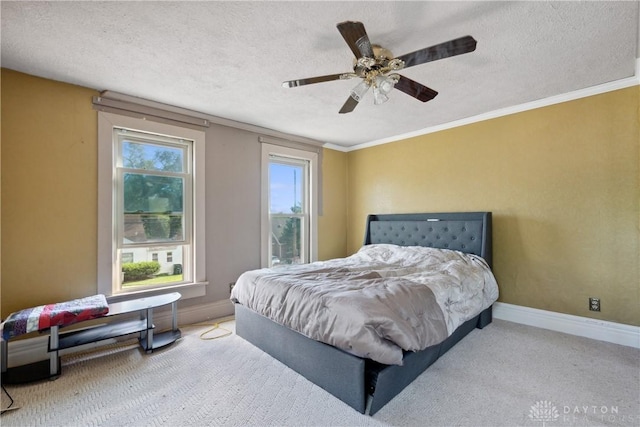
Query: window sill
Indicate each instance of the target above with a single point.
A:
(187, 290)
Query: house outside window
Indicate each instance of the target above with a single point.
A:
(289, 207)
(154, 210)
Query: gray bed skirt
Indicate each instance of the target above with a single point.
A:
(363, 384)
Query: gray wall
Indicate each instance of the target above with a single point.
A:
(233, 207)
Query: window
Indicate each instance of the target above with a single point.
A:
(153, 205)
(151, 191)
(127, 257)
(289, 209)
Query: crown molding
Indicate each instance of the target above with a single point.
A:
(338, 147)
(557, 99)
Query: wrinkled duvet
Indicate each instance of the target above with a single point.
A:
(376, 303)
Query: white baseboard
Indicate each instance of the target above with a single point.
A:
(195, 314)
(601, 330)
(32, 350)
(24, 352)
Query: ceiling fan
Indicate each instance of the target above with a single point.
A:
(377, 67)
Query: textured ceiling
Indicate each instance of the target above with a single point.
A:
(228, 59)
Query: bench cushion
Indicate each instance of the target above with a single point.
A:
(59, 314)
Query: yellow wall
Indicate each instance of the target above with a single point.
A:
(332, 224)
(562, 183)
(49, 196)
(49, 200)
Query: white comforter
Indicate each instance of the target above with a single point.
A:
(372, 304)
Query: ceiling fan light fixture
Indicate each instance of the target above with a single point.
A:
(359, 91)
(378, 96)
(385, 83)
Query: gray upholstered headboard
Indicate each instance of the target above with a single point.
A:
(468, 232)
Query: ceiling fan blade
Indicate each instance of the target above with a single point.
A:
(415, 89)
(311, 80)
(440, 51)
(356, 37)
(348, 106)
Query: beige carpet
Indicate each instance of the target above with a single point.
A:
(504, 375)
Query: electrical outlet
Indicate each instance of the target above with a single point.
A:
(231, 285)
(594, 304)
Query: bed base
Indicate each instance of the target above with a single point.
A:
(363, 384)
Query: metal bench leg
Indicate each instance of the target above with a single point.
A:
(174, 315)
(149, 348)
(54, 357)
(4, 353)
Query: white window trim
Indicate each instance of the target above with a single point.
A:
(106, 221)
(265, 235)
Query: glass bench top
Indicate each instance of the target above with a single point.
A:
(142, 303)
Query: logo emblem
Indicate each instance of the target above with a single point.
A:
(544, 411)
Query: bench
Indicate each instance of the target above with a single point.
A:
(117, 326)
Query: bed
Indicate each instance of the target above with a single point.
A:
(366, 375)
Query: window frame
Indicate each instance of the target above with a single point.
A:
(311, 231)
(108, 276)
